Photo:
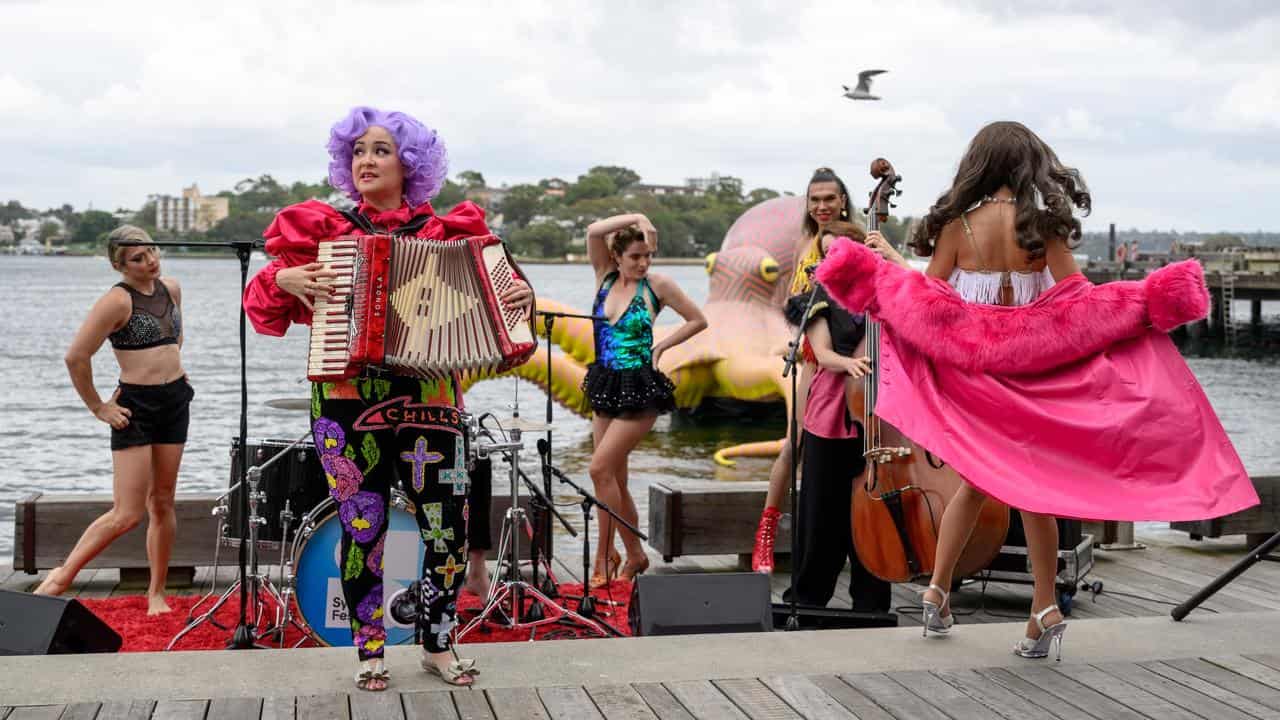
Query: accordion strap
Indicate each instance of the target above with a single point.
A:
(361, 221)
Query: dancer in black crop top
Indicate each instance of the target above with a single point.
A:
(148, 412)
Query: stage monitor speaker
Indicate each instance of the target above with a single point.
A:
(41, 625)
(700, 603)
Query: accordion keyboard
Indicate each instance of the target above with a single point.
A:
(331, 322)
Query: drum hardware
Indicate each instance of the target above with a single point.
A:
(255, 586)
(508, 595)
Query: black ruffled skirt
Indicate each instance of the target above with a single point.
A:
(624, 392)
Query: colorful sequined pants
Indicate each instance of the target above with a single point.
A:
(369, 432)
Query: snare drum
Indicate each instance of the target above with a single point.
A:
(318, 572)
(297, 478)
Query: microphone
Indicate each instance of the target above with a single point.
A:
(809, 270)
(542, 446)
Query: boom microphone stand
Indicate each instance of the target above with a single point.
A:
(789, 369)
(540, 516)
(587, 603)
(244, 636)
(1262, 552)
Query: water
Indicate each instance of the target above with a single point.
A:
(55, 446)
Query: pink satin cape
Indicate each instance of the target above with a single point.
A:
(1123, 433)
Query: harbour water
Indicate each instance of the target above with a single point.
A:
(52, 444)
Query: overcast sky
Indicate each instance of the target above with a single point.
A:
(1170, 109)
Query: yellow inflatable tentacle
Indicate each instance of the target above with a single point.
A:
(566, 381)
(767, 448)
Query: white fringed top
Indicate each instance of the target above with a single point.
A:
(986, 286)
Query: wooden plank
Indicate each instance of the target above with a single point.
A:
(661, 701)
(180, 710)
(1033, 693)
(704, 701)
(850, 699)
(279, 708)
(126, 710)
(1068, 690)
(941, 694)
(36, 712)
(78, 711)
(1000, 699)
(236, 709)
(899, 701)
(755, 699)
(1208, 689)
(620, 702)
(1270, 660)
(430, 705)
(708, 517)
(809, 700)
(62, 517)
(1229, 680)
(1126, 694)
(569, 703)
(1256, 671)
(384, 705)
(1180, 695)
(515, 704)
(471, 705)
(1194, 578)
(332, 706)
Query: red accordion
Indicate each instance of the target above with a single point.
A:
(418, 307)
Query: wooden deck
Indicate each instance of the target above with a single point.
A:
(1240, 687)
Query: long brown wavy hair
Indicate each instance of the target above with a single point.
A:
(1007, 153)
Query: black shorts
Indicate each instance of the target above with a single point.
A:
(160, 414)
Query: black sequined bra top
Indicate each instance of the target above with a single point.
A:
(155, 321)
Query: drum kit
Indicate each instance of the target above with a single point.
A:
(286, 483)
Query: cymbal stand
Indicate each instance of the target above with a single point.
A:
(508, 596)
(255, 586)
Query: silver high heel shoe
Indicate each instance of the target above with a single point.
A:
(933, 618)
(1050, 638)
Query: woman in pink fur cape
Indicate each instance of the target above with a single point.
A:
(1072, 402)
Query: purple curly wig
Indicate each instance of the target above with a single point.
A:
(422, 152)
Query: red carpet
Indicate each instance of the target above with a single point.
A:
(127, 615)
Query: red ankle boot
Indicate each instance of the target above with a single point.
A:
(762, 554)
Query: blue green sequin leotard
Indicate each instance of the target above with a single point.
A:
(622, 379)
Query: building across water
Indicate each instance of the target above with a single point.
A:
(191, 211)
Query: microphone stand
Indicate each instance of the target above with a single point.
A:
(542, 501)
(789, 369)
(244, 636)
(587, 604)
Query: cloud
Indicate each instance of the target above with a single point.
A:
(131, 99)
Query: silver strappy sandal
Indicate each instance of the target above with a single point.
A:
(1050, 638)
(934, 621)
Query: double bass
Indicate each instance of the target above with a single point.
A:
(900, 497)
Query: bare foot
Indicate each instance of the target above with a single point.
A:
(54, 584)
(156, 605)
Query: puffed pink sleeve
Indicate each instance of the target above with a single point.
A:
(292, 238)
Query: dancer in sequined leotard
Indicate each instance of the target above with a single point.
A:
(625, 387)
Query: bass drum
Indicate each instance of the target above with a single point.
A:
(317, 566)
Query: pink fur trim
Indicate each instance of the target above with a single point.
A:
(848, 274)
(1071, 321)
(1177, 295)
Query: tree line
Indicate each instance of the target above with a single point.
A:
(546, 219)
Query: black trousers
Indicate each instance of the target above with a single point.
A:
(826, 539)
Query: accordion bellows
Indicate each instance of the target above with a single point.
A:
(418, 307)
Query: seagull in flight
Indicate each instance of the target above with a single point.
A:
(863, 90)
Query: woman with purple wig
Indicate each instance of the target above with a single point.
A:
(391, 165)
